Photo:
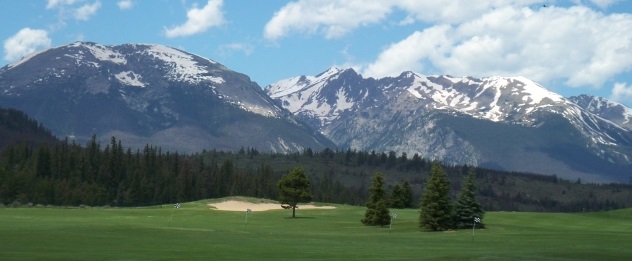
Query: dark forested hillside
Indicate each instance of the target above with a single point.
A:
(66, 173)
(16, 126)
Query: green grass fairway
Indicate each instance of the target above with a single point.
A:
(197, 232)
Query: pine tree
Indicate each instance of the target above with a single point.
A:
(407, 195)
(294, 189)
(397, 197)
(436, 207)
(401, 196)
(377, 213)
(467, 208)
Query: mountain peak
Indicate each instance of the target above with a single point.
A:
(610, 110)
(454, 119)
(328, 72)
(146, 93)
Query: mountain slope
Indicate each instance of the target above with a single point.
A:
(508, 123)
(609, 110)
(17, 127)
(149, 94)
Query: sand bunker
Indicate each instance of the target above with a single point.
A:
(234, 205)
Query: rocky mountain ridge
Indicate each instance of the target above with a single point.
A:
(426, 115)
(149, 94)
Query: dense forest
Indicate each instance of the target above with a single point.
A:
(68, 174)
(38, 169)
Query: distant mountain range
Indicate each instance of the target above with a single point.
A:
(149, 94)
(508, 123)
(152, 94)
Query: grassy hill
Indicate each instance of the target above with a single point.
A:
(197, 232)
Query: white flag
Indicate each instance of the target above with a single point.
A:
(177, 205)
(477, 220)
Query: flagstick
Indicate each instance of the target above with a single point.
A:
(476, 220)
(390, 226)
(246, 222)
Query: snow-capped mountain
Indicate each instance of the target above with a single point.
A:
(154, 94)
(510, 123)
(609, 110)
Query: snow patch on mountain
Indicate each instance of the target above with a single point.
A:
(534, 93)
(184, 67)
(130, 78)
(612, 111)
(499, 99)
(102, 52)
(305, 85)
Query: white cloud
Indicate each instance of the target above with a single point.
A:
(86, 11)
(621, 92)
(576, 45)
(56, 3)
(335, 18)
(227, 49)
(75, 9)
(199, 20)
(410, 53)
(457, 11)
(125, 4)
(24, 42)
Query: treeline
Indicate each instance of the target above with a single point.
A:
(66, 173)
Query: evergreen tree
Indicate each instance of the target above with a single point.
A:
(467, 208)
(436, 207)
(377, 213)
(397, 197)
(294, 189)
(402, 196)
(407, 195)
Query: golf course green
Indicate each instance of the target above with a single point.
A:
(196, 231)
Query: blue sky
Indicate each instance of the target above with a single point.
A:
(569, 46)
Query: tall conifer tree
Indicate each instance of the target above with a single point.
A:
(467, 208)
(377, 213)
(436, 206)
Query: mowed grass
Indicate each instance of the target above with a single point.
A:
(197, 232)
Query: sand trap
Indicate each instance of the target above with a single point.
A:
(235, 205)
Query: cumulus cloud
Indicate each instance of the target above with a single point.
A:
(332, 18)
(125, 4)
(621, 92)
(335, 18)
(576, 45)
(86, 11)
(24, 42)
(199, 20)
(410, 53)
